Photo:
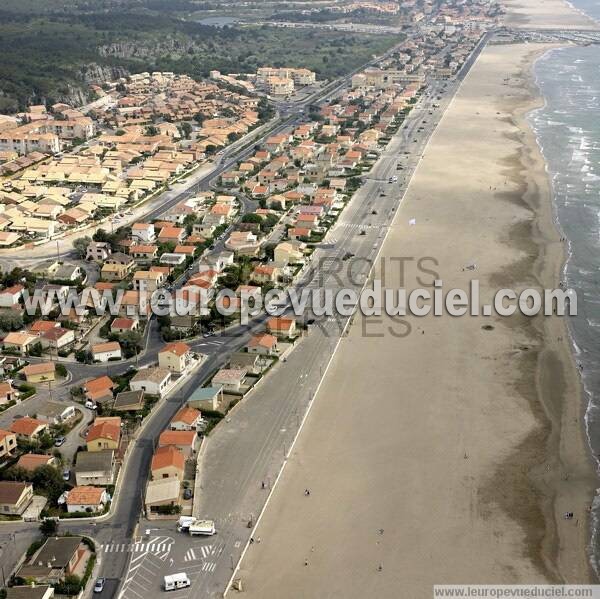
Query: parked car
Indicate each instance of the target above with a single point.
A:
(99, 586)
(66, 475)
(187, 494)
(91, 405)
(59, 441)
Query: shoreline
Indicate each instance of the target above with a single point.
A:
(519, 428)
(559, 353)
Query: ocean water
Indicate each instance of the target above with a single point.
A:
(568, 132)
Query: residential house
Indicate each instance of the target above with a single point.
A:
(187, 419)
(103, 352)
(144, 253)
(288, 252)
(87, 499)
(99, 390)
(167, 462)
(149, 280)
(40, 591)
(171, 234)
(39, 373)
(250, 362)
(282, 327)
(265, 273)
(31, 461)
(95, 467)
(124, 325)
(57, 338)
(162, 492)
(27, 428)
(19, 342)
(7, 393)
(129, 401)
(186, 441)
(175, 357)
(105, 433)
(229, 378)
(15, 497)
(120, 258)
(8, 443)
(55, 412)
(206, 398)
(154, 381)
(263, 344)
(57, 558)
(10, 296)
(98, 251)
(143, 233)
(113, 272)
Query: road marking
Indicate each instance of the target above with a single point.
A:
(209, 566)
(190, 555)
(206, 551)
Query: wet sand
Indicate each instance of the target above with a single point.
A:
(463, 439)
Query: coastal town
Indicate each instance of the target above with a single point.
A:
(178, 186)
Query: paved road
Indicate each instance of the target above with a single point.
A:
(250, 446)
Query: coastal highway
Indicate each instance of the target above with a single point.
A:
(250, 446)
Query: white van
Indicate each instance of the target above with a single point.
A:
(185, 522)
(173, 582)
(202, 527)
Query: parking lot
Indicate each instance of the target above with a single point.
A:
(164, 551)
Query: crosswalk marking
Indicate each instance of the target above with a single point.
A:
(137, 547)
(190, 555)
(209, 566)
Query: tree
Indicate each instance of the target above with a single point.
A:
(252, 218)
(186, 129)
(47, 479)
(80, 245)
(49, 527)
(151, 131)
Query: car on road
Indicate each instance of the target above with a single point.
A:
(59, 441)
(99, 586)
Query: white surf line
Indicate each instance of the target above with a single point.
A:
(346, 325)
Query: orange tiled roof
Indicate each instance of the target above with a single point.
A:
(167, 456)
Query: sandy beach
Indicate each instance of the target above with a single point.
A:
(545, 14)
(462, 440)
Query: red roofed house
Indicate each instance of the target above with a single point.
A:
(263, 344)
(281, 327)
(263, 273)
(28, 428)
(99, 389)
(174, 234)
(105, 433)
(186, 441)
(187, 419)
(175, 357)
(124, 325)
(31, 461)
(86, 499)
(167, 462)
